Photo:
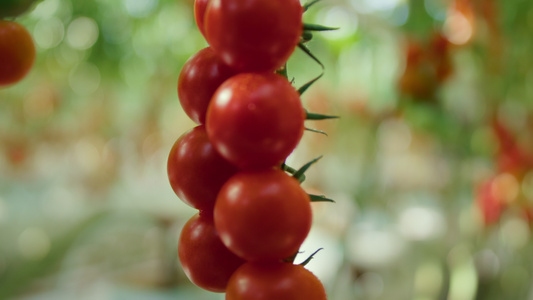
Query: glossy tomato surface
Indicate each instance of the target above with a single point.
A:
(254, 35)
(17, 52)
(263, 215)
(255, 120)
(195, 169)
(201, 75)
(204, 259)
(274, 281)
(199, 14)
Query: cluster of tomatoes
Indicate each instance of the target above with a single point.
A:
(253, 214)
(17, 50)
(427, 67)
(503, 191)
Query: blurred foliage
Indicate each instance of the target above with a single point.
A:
(430, 162)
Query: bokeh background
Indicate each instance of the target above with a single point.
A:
(430, 163)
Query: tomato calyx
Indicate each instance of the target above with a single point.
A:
(315, 116)
(305, 262)
(320, 198)
(309, 4)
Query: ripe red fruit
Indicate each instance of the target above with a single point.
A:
(17, 52)
(195, 169)
(263, 215)
(199, 13)
(255, 120)
(279, 281)
(204, 259)
(254, 35)
(201, 75)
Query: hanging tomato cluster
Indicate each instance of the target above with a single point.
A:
(503, 191)
(17, 50)
(253, 213)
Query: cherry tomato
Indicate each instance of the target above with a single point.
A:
(17, 52)
(195, 169)
(280, 281)
(263, 215)
(201, 75)
(204, 259)
(255, 120)
(254, 35)
(199, 13)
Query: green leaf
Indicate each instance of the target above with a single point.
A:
(304, 48)
(298, 174)
(313, 116)
(317, 27)
(320, 198)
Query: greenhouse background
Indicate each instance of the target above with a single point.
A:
(430, 163)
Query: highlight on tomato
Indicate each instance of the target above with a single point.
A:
(263, 215)
(195, 169)
(204, 259)
(279, 280)
(253, 35)
(17, 52)
(255, 120)
(199, 78)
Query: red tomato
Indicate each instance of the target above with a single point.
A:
(201, 75)
(17, 52)
(204, 259)
(279, 281)
(255, 120)
(263, 215)
(195, 169)
(254, 35)
(199, 13)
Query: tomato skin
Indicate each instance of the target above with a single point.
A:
(280, 281)
(255, 120)
(199, 14)
(196, 171)
(254, 35)
(263, 215)
(204, 259)
(17, 52)
(199, 78)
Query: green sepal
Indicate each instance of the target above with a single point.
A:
(320, 198)
(313, 116)
(316, 131)
(305, 262)
(307, 5)
(317, 27)
(300, 173)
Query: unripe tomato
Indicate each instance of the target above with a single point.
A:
(255, 120)
(254, 35)
(195, 169)
(201, 75)
(274, 281)
(263, 215)
(17, 52)
(204, 259)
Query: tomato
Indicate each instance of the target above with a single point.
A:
(14, 8)
(17, 52)
(263, 215)
(204, 259)
(280, 281)
(254, 35)
(199, 13)
(255, 120)
(201, 75)
(195, 169)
